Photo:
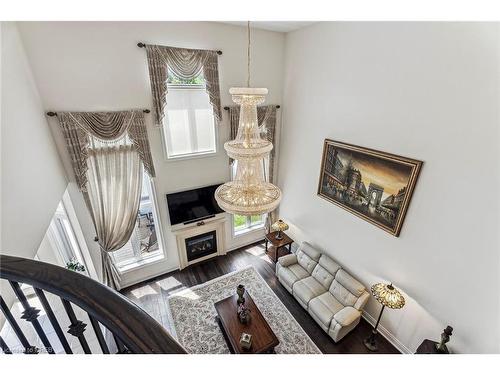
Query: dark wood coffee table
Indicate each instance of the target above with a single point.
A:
(263, 338)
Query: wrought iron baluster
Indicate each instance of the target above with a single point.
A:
(28, 349)
(100, 336)
(31, 314)
(77, 327)
(122, 349)
(53, 320)
(4, 346)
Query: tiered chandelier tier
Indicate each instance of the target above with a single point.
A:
(249, 193)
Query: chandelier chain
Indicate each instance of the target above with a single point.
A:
(248, 54)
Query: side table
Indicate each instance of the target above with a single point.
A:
(284, 245)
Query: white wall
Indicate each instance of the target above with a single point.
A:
(422, 90)
(89, 66)
(33, 179)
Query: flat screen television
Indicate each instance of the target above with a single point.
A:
(192, 205)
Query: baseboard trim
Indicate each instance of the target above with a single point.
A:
(386, 334)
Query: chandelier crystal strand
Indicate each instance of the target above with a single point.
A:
(248, 194)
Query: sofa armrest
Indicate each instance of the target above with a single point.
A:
(347, 315)
(287, 260)
(362, 300)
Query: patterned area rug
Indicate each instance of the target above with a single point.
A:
(193, 317)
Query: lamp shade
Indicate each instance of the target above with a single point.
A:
(280, 225)
(388, 296)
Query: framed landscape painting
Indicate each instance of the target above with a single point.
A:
(373, 185)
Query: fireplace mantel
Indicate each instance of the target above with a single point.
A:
(196, 229)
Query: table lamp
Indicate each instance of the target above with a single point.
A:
(388, 296)
(279, 227)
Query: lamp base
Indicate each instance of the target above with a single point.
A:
(371, 342)
(279, 236)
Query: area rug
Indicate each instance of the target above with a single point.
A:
(192, 315)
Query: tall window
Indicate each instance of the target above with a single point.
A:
(190, 123)
(62, 237)
(144, 243)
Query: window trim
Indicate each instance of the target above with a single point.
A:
(197, 155)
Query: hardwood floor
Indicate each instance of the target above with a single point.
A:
(151, 296)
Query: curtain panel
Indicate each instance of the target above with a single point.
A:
(186, 64)
(108, 150)
(113, 195)
(79, 127)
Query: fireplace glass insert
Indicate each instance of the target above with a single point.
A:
(201, 245)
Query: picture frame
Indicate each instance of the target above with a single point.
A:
(374, 185)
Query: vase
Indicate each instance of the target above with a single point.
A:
(240, 290)
(244, 316)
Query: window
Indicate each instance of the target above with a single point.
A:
(63, 240)
(189, 122)
(144, 243)
(243, 224)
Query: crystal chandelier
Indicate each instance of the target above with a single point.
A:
(248, 194)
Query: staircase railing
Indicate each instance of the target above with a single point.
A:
(132, 329)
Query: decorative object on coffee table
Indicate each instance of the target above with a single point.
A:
(263, 338)
(388, 296)
(284, 245)
(279, 227)
(433, 347)
(246, 340)
(240, 291)
(243, 313)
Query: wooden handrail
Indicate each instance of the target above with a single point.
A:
(137, 330)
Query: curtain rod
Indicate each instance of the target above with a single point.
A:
(143, 45)
(227, 108)
(52, 114)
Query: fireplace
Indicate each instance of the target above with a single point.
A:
(201, 245)
(199, 241)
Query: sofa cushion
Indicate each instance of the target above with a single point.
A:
(350, 283)
(306, 289)
(287, 260)
(347, 316)
(329, 264)
(307, 256)
(346, 289)
(306, 262)
(325, 271)
(312, 252)
(290, 275)
(323, 308)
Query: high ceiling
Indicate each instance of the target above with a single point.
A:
(280, 26)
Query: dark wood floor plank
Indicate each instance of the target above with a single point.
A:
(152, 296)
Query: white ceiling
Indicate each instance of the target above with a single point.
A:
(280, 26)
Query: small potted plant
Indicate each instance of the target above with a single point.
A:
(75, 265)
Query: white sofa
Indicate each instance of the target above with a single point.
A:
(332, 297)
